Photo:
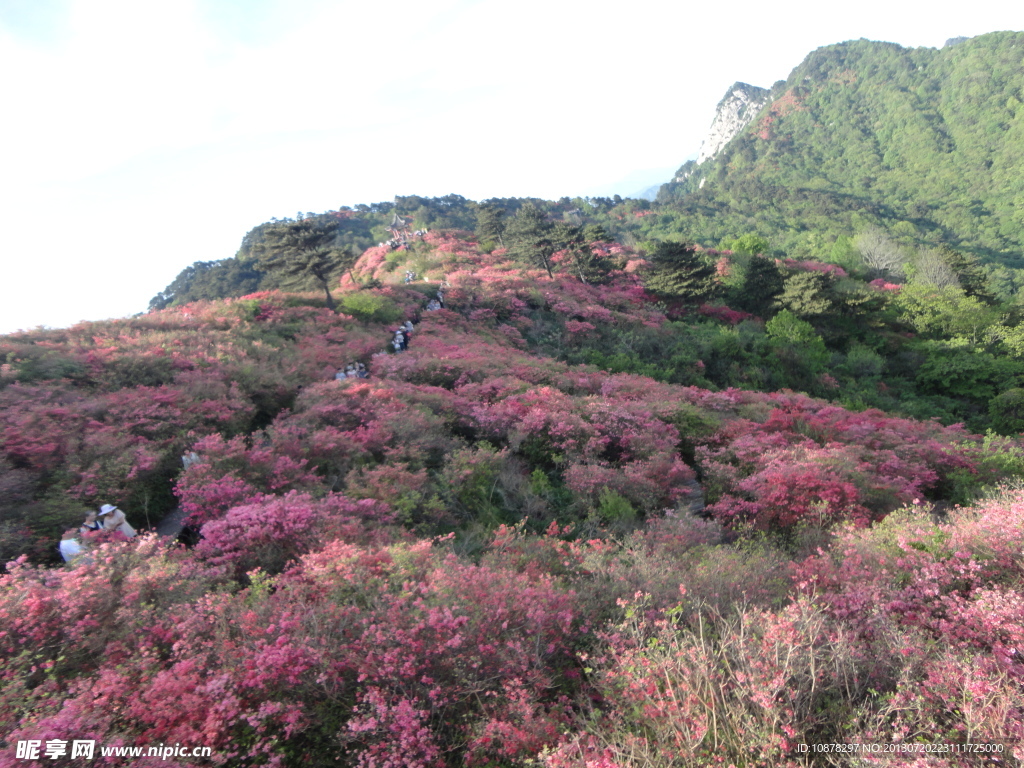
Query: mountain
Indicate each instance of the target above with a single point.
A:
(926, 143)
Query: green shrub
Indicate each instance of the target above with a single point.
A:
(1007, 412)
(996, 460)
(614, 509)
(370, 307)
(47, 366)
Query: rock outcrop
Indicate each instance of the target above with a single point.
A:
(741, 104)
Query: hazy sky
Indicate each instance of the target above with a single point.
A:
(138, 137)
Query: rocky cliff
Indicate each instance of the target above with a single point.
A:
(737, 108)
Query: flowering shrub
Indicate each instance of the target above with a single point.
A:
(229, 474)
(809, 461)
(724, 314)
(812, 266)
(310, 625)
(882, 285)
(273, 530)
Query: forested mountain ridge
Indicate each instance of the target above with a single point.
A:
(925, 145)
(928, 143)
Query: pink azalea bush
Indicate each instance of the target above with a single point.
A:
(479, 556)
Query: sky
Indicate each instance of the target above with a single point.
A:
(139, 137)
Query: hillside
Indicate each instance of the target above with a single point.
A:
(487, 553)
(926, 143)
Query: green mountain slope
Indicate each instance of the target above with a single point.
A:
(928, 143)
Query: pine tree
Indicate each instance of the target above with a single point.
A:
(762, 284)
(304, 252)
(678, 272)
(490, 223)
(969, 273)
(529, 237)
(584, 263)
(809, 295)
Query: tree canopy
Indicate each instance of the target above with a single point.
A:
(677, 271)
(304, 252)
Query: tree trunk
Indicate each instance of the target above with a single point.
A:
(330, 299)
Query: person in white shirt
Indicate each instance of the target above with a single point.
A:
(70, 547)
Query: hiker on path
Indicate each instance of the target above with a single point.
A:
(114, 520)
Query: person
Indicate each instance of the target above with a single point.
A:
(440, 299)
(407, 329)
(432, 305)
(361, 371)
(70, 547)
(398, 341)
(115, 520)
(340, 374)
(90, 524)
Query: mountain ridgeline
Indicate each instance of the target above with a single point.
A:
(927, 143)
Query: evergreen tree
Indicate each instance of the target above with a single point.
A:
(584, 263)
(762, 284)
(969, 273)
(304, 252)
(677, 271)
(809, 295)
(490, 223)
(530, 237)
(593, 233)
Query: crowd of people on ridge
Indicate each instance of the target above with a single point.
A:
(352, 371)
(400, 340)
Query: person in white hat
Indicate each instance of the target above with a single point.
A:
(114, 520)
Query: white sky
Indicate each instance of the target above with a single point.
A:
(138, 137)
